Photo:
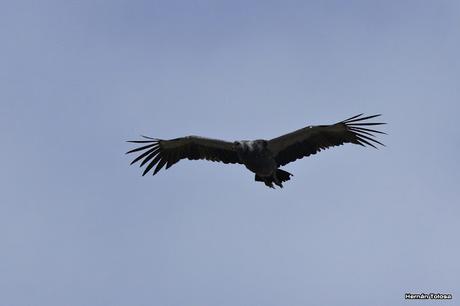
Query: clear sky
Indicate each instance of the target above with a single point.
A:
(355, 226)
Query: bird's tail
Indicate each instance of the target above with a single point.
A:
(281, 175)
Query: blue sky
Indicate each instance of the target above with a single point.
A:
(79, 226)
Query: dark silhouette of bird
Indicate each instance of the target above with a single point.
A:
(263, 157)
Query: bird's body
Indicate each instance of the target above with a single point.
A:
(263, 157)
(255, 156)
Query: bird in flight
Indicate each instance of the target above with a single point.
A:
(263, 157)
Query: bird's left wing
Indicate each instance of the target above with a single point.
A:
(312, 139)
(168, 152)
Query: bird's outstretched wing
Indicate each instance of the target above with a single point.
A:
(168, 152)
(312, 139)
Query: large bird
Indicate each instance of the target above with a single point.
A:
(263, 157)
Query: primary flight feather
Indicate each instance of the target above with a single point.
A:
(263, 157)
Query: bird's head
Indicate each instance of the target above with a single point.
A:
(243, 146)
(240, 146)
(262, 143)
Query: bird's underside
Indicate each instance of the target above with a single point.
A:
(263, 157)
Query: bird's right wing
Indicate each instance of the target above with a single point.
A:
(168, 152)
(312, 139)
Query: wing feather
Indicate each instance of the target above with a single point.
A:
(169, 152)
(151, 152)
(312, 139)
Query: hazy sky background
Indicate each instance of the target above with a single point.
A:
(79, 226)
